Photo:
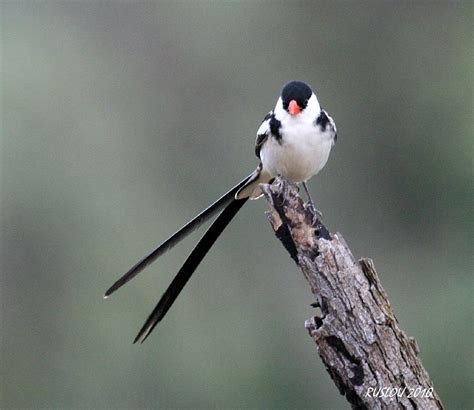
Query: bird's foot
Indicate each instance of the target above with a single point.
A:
(317, 214)
(288, 186)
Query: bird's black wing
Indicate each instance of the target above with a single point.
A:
(193, 261)
(326, 124)
(263, 133)
(196, 222)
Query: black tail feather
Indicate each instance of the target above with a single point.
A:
(193, 261)
(196, 222)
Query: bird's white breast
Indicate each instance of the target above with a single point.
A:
(301, 153)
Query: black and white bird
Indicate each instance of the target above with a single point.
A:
(293, 141)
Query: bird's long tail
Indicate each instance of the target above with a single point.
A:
(230, 202)
(188, 268)
(191, 226)
(179, 235)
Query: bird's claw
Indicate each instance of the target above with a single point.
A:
(317, 214)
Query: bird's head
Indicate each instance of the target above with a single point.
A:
(296, 98)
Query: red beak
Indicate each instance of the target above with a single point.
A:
(293, 107)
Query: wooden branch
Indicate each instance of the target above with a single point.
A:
(371, 361)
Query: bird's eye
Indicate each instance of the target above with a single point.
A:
(306, 101)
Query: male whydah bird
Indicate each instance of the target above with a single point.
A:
(293, 141)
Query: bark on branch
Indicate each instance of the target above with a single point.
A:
(369, 358)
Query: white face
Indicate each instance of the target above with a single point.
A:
(310, 113)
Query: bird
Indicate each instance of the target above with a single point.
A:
(293, 142)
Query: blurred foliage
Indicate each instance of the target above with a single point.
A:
(120, 120)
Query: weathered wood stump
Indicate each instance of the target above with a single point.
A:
(370, 359)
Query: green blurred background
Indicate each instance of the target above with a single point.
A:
(121, 120)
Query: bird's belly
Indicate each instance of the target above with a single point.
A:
(298, 159)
